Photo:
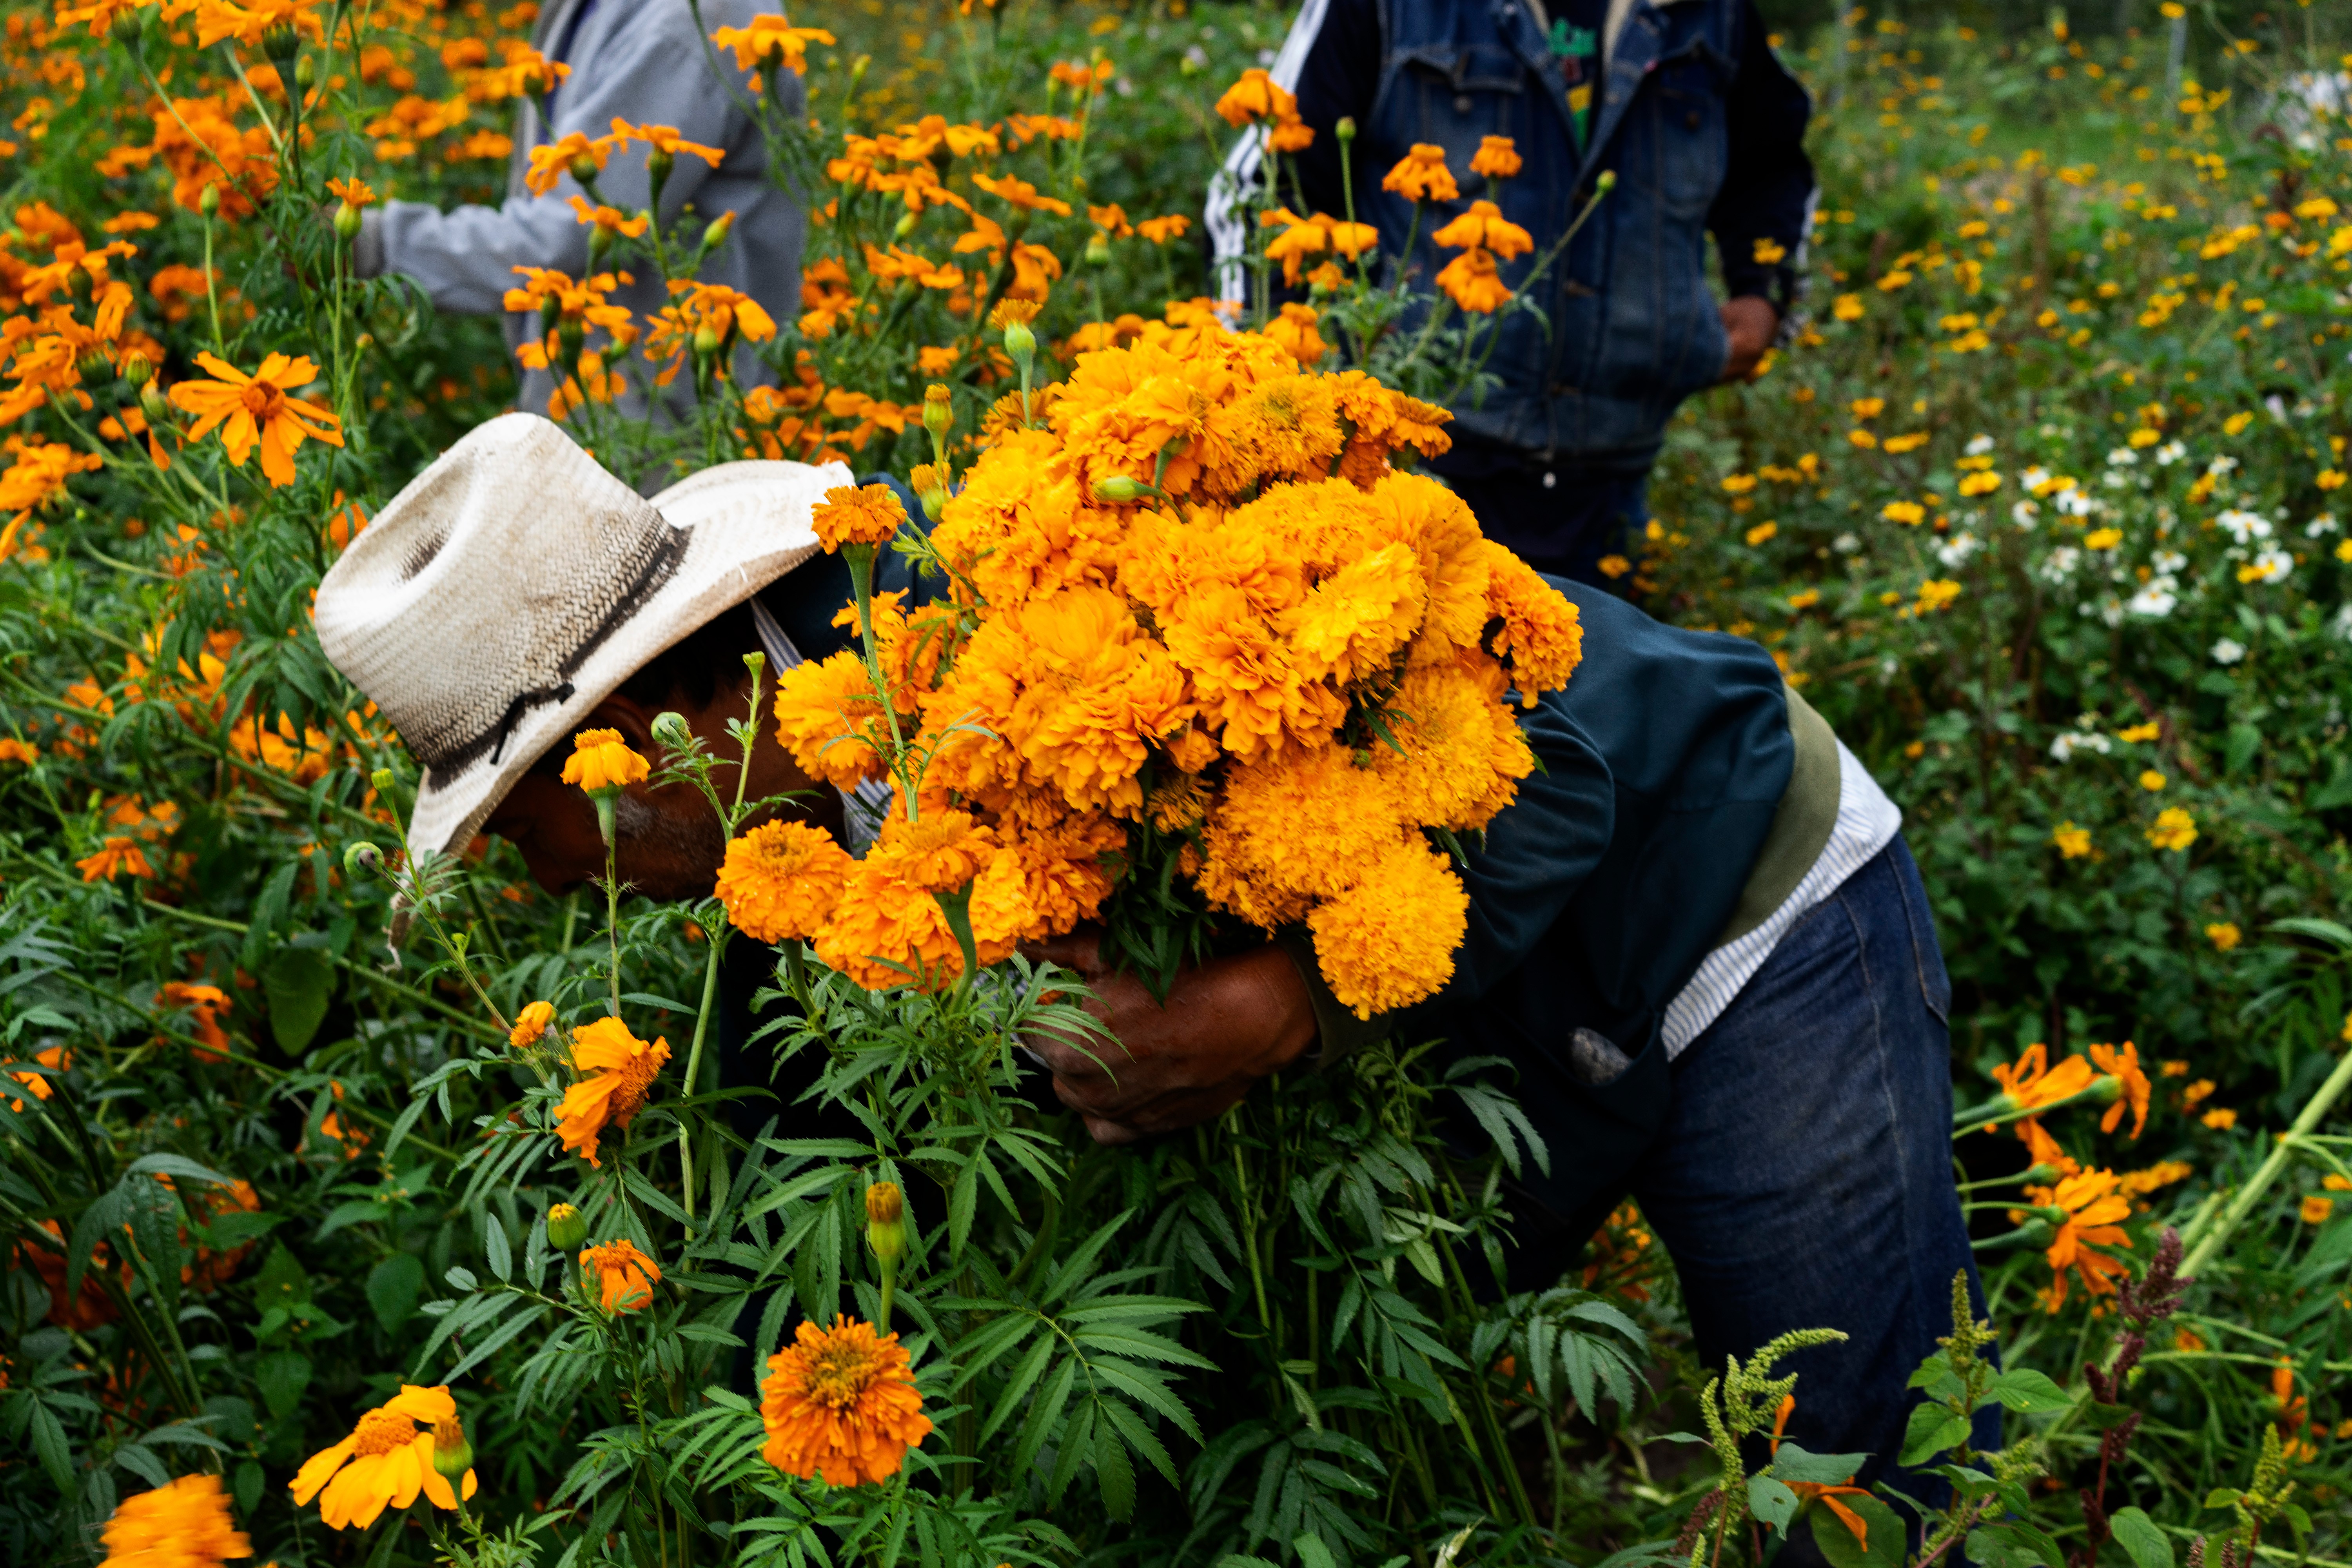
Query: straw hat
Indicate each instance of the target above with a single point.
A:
(515, 585)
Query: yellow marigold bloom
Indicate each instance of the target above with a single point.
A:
(2174, 829)
(1498, 158)
(2150, 780)
(2163, 1174)
(2033, 1082)
(771, 41)
(623, 1277)
(385, 1462)
(2072, 842)
(1354, 621)
(1471, 281)
(841, 1403)
(258, 408)
(553, 161)
(1256, 96)
(781, 880)
(889, 930)
(849, 515)
(1981, 483)
(2315, 1209)
(1935, 594)
(1388, 941)
(618, 1069)
(2221, 1118)
(821, 709)
(1847, 308)
(118, 857)
(1909, 514)
(1295, 331)
(1421, 176)
(1484, 226)
(1459, 754)
(2224, 935)
(184, 1523)
(2132, 1087)
(1295, 826)
(531, 1024)
(2093, 1206)
(601, 760)
(1540, 639)
(246, 22)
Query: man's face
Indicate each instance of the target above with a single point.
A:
(667, 843)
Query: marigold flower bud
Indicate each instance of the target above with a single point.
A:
(583, 168)
(904, 226)
(155, 405)
(567, 1227)
(658, 164)
(886, 1221)
(347, 223)
(362, 857)
(706, 342)
(381, 779)
(532, 1025)
(136, 370)
(281, 43)
(720, 227)
(1607, 182)
(1121, 489)
(858, 69)
(209, 203)
(130, 29)
(1020, 341)
(1346, 130)
(306, 73)
(1097, 253)
(672, 729)
(939, 409)
(452, 1455)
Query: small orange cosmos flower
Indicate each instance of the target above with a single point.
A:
(1498, 158)
(1421, 176)
(118, 857)
(354, 191)
(2132, 1088)
(601, 760)
(1472, 281)
(258, 408)
(1484, 225)
(2033, 1082)
(385, 1461)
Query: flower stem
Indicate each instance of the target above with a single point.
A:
(2282, 1150)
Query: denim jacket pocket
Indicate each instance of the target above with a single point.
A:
(1456, 97)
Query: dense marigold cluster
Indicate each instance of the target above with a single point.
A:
(1191, 599)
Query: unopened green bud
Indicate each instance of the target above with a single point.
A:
(281, 43)
(155, 405)
(129, 28)
(905, 226)
(1346, 130)
(347, 223)
(1020, 341)
(706, 342)
(569, 336)
(209, 203)
(858, 69)
(658, 164)
(2041, 1175)
(1606, 182)
(306, 73)
(583, 168)
(755, 661)
(1120, 489)
(452, 1455)
(886, 1221)
(381, 779)
(362, 858)
(136, 370)
(716, 234)
(567, 1227)
(938, 410)
(1099, 249)
(672, 730)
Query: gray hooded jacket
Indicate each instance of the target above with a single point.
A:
(647, 62)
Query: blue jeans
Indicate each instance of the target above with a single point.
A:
(1804, 1176)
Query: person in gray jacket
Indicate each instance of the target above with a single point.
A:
(648, 62)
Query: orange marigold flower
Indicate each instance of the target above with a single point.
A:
(623, 1277)
(118, 857)
(1161, 230)
(1022, 193)
(1290, 134)
(1421, 176)
(2131, 1086)
(852, 515)
(1542, 638)
(183, 1524)
(781, 880)
(1472, 281)
(206, 1003)
(354, 191)
(621, 1069)
(841, 1403)
(385, 1462)
(664, 139)
(219, 19)
(822, 709)
(889, 928)
(531, 1024)
(1295, 331)
(1484, 225)
(54, 1056)
(1498, 158)
(551, 163)
(1256, 96)
(1388, 941)
(258, 408)
(15, 750)
(601, 760)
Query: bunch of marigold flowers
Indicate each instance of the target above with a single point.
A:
(1193, 614)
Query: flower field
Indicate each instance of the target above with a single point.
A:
(368, 1205)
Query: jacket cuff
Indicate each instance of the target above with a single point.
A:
(1339, 1033)
(367, 248)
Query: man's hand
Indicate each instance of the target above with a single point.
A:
(1226, 1025)
(1751, 323)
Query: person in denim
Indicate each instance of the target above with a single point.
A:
(1698, 939)
(1684, 104)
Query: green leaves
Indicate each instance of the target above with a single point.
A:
(1930, 1430)
(2147, 1546)
(2029, 1392)
(300, 985)
(1884, 1546)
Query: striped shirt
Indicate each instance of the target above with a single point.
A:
(1866, 823)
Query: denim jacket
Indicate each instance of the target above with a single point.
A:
(1633, 327)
